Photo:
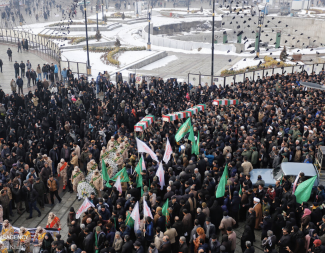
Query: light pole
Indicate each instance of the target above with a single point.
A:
(260, 23)
(212, 48)
(97, 12)
(88, 62)
(137, 9)
(102, 10)
(188, 7)
(149, 44)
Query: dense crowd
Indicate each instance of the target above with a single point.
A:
(63, 132)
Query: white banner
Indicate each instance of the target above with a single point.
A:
(84, 207)
(168, 152)
(142, 147)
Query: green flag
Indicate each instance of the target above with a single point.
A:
(129, 221)
(240, 191)
(124, 175)
(165, 211)
(138, 169)
(195, 145)
(184, 129)
(303, 190)
(222, 184)
(191, 136)
(281, 179)
(105, 174)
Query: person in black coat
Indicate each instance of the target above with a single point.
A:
(285, 241)
(250, 221)
(234, 206)
(266, 224)
(128, 245)
(246, 236)
(249, 247)
(89, 241)
(200, 216)
(161, 222)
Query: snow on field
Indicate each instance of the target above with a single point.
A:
(95, 62)
(251, 62)
(160, 63)
(132, 56)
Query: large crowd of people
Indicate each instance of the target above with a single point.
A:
(48, 134)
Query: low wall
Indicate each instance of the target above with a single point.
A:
(184, 45)
(101, 44)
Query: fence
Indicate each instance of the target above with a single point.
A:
(34, 41)
(196, 79)
(76, 67)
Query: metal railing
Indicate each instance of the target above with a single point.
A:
(35, 41)
(78, 68)
(196, 79)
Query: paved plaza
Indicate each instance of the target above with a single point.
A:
(8, 71)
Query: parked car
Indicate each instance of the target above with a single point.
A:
(81, 3)
(270, 176)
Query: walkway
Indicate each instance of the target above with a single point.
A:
(8, 72)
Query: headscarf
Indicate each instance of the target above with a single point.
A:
(306, 212)
(317, 242)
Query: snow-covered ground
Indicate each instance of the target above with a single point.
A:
(251, 62)
(160, 63)
(132, 56)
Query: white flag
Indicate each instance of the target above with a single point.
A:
(84, 207)
(143, 165)
(295, 184)
(161, 175)
(142, 147)
(118, 184)
(168, 152)
(146, 209)
(135, 215)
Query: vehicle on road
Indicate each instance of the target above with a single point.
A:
(270, 176)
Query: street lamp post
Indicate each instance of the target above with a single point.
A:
(97, 13)
(137, 9)
(149, 44)
(260, 23)
(188, 7)
(88, 62)
(102, 10)
(212, 48)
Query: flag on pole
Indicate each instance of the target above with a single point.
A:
(138, 171)
(168, 152)
(195, 145)
(161, 175)
(295, 183)
(135, 215)
(146, 209)
(105, 174)
(183, 130)
(84, 207)
(165, 211)
(129, 221)
(222, 183)
(123, 174)
(142, 147)
(303, 190)
(143, 163)
(118, 184)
